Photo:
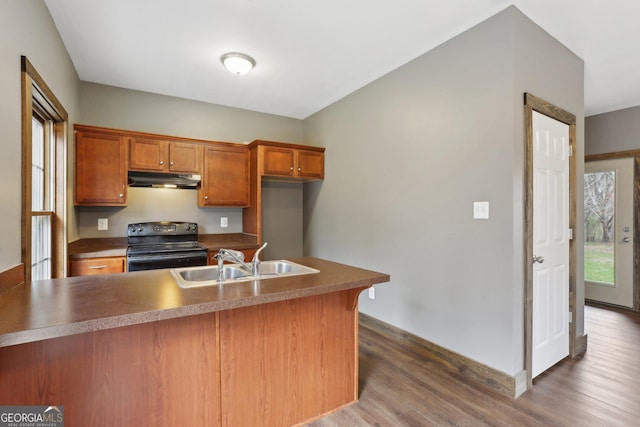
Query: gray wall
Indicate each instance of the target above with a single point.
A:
(156, 204)
(406, 158)
(282, 219)
(613, 131)
(119, 108)
(26, 28)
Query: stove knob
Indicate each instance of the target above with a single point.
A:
(132, 228)
(140, 228)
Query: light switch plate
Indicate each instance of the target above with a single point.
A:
(103, 224)
(224, 222)
(480, 210)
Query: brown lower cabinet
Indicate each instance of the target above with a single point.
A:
(91, 266)
(274, 364)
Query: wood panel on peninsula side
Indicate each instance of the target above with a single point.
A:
(137, 349)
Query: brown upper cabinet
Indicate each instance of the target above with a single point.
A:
(281, 161)
(100, 169)
(164, 156)
(272, 160)
(231, 173)
(225, 178)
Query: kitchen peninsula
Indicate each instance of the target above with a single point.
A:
(135, 349)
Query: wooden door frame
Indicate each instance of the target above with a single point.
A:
(531, 104)
(635, 155)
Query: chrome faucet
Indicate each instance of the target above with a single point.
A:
(238, 257)
(231, 256)
(255, 262)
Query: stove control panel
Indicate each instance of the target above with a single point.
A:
(161, 228)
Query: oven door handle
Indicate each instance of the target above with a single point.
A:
(166, 256)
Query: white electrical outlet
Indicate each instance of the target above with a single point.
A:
(103, 223)
(480, 210)
(372, 293)
(224, 222)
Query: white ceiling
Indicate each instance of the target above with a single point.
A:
(309, 54)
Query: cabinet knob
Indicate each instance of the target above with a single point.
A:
(120, 195)
(291, 168)
(206, 197)
(162, 162)
(299, 169)
(170, 163)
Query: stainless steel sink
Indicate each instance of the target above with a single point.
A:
(191, 277)
(278, 267)
(202, 274)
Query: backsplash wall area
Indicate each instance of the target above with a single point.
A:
(156, 204)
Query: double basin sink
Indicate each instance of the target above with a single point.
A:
(192, 277)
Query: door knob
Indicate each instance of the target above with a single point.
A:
(538, 258)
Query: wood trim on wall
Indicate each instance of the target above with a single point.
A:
(27, 111)
(11, 277)
(612, 156)
(636, 233)
(533, 103)
(581, 344)
(476, 371)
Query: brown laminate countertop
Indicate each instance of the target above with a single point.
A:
(98, 247)
(59, 307)
(117, 246)
(239, 241)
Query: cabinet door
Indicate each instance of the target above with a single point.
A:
(310, 164)
(225, 178)
(278, 161)
(185, 157)
(92, 266)
(100, 170)
(148, 155)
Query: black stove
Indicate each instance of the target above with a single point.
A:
(164, 244)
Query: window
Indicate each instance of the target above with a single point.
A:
(42, 191)
(43, 174)
(599, 227)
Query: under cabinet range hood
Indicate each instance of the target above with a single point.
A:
(164, 180)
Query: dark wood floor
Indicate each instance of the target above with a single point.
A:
(401, 385)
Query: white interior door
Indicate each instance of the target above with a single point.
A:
(608, 250)
(550, 327)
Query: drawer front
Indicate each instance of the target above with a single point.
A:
(92, 266)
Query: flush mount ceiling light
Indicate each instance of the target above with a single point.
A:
(238, 63)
